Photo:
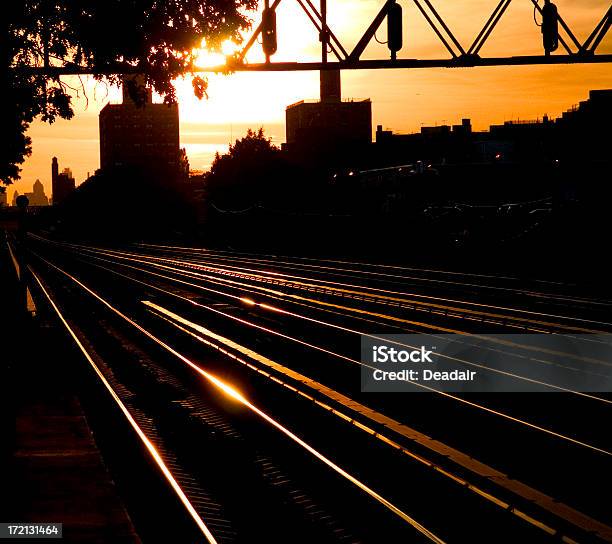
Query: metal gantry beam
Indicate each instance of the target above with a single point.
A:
(575, 52)
(463, 62)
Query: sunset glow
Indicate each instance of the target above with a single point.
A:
(403, 100)
(302, 273)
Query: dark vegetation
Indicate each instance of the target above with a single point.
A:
(116, 204)
(105, 37)
(539, 219)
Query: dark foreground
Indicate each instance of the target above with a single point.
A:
(224, 392)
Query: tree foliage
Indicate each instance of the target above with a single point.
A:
(153, 37)
(252, 172)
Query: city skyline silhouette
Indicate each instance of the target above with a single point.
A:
(404, 99)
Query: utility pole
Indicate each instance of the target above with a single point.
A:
(324, 32)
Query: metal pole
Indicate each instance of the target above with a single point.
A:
(324, 36)
(319, 28)
(266, 8)
(330, 33)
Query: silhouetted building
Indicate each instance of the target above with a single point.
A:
(436, 143)
(330, 125)
(582, 133)
(3, 198)
(584, 130)
(62, 184)
(37, 197)
(143, 135)
(597, 110)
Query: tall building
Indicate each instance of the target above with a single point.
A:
(61, 184)
(143, 135)
(37, 197)
(584, 130)
(329, 124)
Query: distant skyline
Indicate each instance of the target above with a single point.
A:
(403, 100)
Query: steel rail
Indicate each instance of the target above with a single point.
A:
(271, 331)
(328, 288)
(551, 505)
(231, 392)
(547, 503)
(294, 298)
(463, 361)
(328, 260)
(312, 346)
(375, 337)
(543, 500)
(389, 294)
(141, 435)
(297, 261)
(366, 275)
(412, 304)
(281, 296)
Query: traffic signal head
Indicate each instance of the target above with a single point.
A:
(394, 28)
(268, 32)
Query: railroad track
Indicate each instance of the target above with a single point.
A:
(269, 483)
(546, 522)
(477, 284)
(504, 317)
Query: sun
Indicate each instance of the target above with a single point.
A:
(260, 97)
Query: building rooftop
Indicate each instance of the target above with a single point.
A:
(317, 101)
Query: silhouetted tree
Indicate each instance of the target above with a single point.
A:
(153, 37)
(251, 172)
(183, 169)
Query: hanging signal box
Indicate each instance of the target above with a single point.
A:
(394, 28)
(268, 32)
(550, 27)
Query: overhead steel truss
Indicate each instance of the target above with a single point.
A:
(574, 51)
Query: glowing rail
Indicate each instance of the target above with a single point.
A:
(236, 395)
(143, 437)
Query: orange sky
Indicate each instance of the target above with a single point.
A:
(403, 100)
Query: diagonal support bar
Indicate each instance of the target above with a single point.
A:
(445, 27)
(598, 33)
(489, 26)
(567, 29)
(604, 31)
(369, 33)
(435, 28)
